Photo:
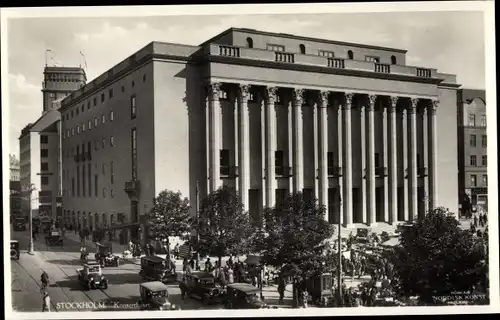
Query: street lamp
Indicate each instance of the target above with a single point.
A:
(28, 189)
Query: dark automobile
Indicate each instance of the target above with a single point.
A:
(54, 238)
(319, 288)
(91, 276)
(104, 255)
(201, 286)
(14, 249)
(19, 224)
(155, 268)
(243, 296)
(154, 296)
(362, 235)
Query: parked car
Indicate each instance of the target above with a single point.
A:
(156, 268)
(104, 255)
(54, 238)
(201, 286)
(154, 296)
(14, 249)
(243, 296)
(91, 276)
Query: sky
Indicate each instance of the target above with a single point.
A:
(452, 42)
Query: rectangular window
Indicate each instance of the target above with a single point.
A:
(44, 153)
(329, 163)
(473, 161)
(96, 185)
(485, 180)
(88, 105)
(103, 142)
(83, 181)
(111, 115)
(112, 172)
(483, 121)
(279, 162)
(377, 160)
(328, 54)
(112, 141)
(472, 120)
(275, 47)
(44, 166)
(77, 151)
(133, 111)
(473, 140)
(123, 88)
(102, 97)
(89, 169)
(103, 118)
(95, 102)
(95, 122)
(110, 93)
(83, 127)
(44, 139)
(473, 180)
(484, 141)
(372, 59)
(484, 161)
(77, 181)
(224, 162)
(72, 187)
(78, 129)
(134, 154)
(280, 197)
(418, 161)
(90, 124)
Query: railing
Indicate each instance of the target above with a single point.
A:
(284, 57)
(335, 172)
(283, 171)
(229, 51)
(336, 63)
(382, 68)
(422, 172)
(425, 73)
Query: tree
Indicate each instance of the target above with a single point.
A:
(437, 257)
(294, 238)
(170, 216)
(223, 226)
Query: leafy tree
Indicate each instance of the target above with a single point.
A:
(222, 225)
(170, 216)
(294, 238)
(437, 257)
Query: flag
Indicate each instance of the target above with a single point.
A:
(84, 60)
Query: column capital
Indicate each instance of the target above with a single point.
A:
(270, 94)
(372, 98)
(213, 90)
(298, 96)
(244, 92)
(348, 100)
(433, 107)
(323, 99)
(412, 109)
(393, 102)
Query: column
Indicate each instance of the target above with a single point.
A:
(364, 176)
(340, 140)
(244, 145)
(298, 158)
(425, 162)
(431, 113)
(322, 151)
(393, 164)
(347, 149)
(214, 136)
(289, 107)
(404, 119)
(263, 145)
(315, 107)
(270, 146)
(370, 172)
(413, 159)
(385, 165)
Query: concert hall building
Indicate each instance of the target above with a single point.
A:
(372, 138)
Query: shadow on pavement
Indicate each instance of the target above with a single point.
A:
(73, 262)
(124, 278)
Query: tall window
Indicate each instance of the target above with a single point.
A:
(133, 111)
(483, 120)
(112, 172)
(484, 161)
(279, 162)
(473, 161)
(96, 185)
(224, 162)
(134, 154)
(472, 120)
(89, 169)
(329, 163)
(103, 118)
(95, 122)
(350, 55)
(111, 141)
(484, 141)
(102, 97)
(302, 49)
(44, 139)
(44, 153)
(393, 60)
(89, 149)
(111, 115)
(249, 42)
(90, 124)
(280, 196)
(72, 187)
(45, 180)
(473, 140)
(485, 180)
(44, 166)
(77, 181)
(473, 180)
(83, 180)
(111, 93)
(377, 160)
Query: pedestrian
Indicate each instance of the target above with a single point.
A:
(230, 262)
(230, 276)
(481, 219)
(475, 220)
(281, 287)
(185, 264)
(192, 263)
(208, 265)
(222, 278)
(176, 251)
(46, 302)
(236, 269)
(485, 218)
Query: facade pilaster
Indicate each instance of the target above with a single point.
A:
(347, 150)
(371, 161)
(340, 157)
(270, 146)
(393, 163)
(413, 184)
(404, 118)
(425, 159)
(298, 138)
(214, 136)
(433, 154)
(244, 145)
(364, 155)
(322, 151)
(385, 161)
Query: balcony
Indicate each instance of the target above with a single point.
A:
(424, 73)
(283, 171)
(382, 68)
(284, 57)
(335, 172)
(229, 171)
(229, 51)
(422, 172)
(132, 188)
(336, 63)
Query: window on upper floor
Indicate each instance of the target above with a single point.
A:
(473, 140)
(133, 83)
(144, 78)
(111, 141)
(111, 115)
(95, 122)
(279, 162)
(44, 139)
(83, 127)
(393, 60)
(103, 119)
(484, 161)
(484, 141)
(133, 110)
(372, 59)
(224, 162)
(350, 55)
(377, 160)
(77, 129)
(302, 49)
(44, 166)
(485, 180)
(483, 120)
(88, 105)
(45, 180)
(44, 153)
(72, 114)
(472, 120)
(110, 93)
(95, 101)
(102, 97)
(223, 94)
(473, 161)
(103, 143)
(329, 163)
(90, 124)
(275, 47)
(249, 42)
(328, 54)
(473, 180)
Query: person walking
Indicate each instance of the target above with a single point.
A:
(475, 220)
(176, 251)
(45, 302)
(222, 278)
(281, 287)
(208, 265)
(230, 275)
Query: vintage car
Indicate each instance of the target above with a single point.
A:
(104, 255)
(91, 276)
(154, 296)
(201, 285)
(362, 235)
(243, 296)
(54, 238)
(319, 288)
(156, 268)
(14, 249)
(19, 224)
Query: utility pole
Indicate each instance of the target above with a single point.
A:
(28, 189)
